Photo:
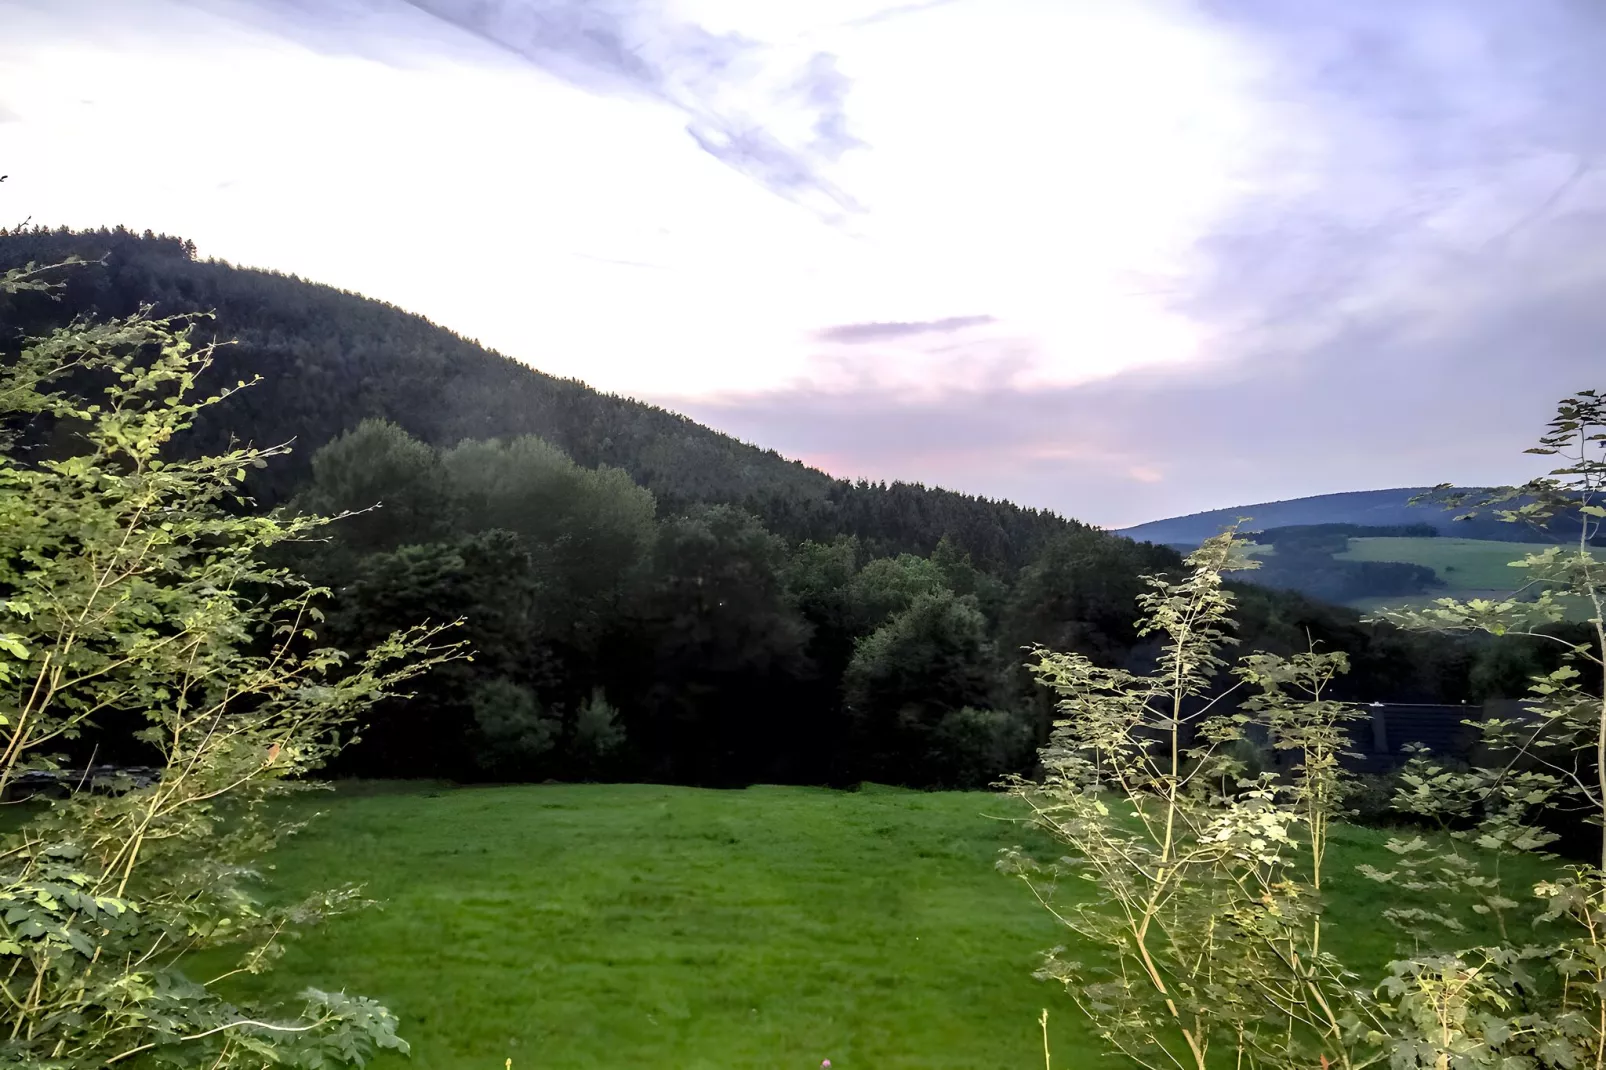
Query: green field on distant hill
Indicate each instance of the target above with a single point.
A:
(580, 926)
(1463, 564)
(1470, 568)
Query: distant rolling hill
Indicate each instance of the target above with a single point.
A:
(1373, 508)
(1372, 566)
(1369, 507)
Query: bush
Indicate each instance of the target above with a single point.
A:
(1371, 799)
(512, 729)
(1206, 910)
(974, 748)
(136, 617)
(599, 733)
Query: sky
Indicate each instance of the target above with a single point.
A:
(1123, 259)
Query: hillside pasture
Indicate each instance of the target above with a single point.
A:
(1463, 564)
(1470, 568)
(581, 926)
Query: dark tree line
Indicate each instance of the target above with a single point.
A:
(614, 640)
(1340, 534)
(648, 598)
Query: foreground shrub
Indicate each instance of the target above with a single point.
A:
(136, 618)
(1202, 907)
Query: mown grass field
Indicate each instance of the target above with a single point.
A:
(1470, 568)
(642, 926)
(1463, 564)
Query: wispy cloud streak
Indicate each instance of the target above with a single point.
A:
(881, 332)
(736, 92)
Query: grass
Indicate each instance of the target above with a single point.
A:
(641, 926)
(1463, 564)
(1470, 568)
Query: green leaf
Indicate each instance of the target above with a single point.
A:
(159, 628)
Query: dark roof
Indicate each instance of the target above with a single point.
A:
(1393, 726)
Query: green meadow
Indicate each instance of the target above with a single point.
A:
(1470, 568)
(570, 926)
(1463, 564)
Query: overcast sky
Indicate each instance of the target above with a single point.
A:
(1124, 259)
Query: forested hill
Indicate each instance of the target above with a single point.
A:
(1354, 507)
(329, 359)
(647, 598)
(1366, 508)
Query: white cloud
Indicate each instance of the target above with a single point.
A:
(1170, 228)
(1019, 161)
